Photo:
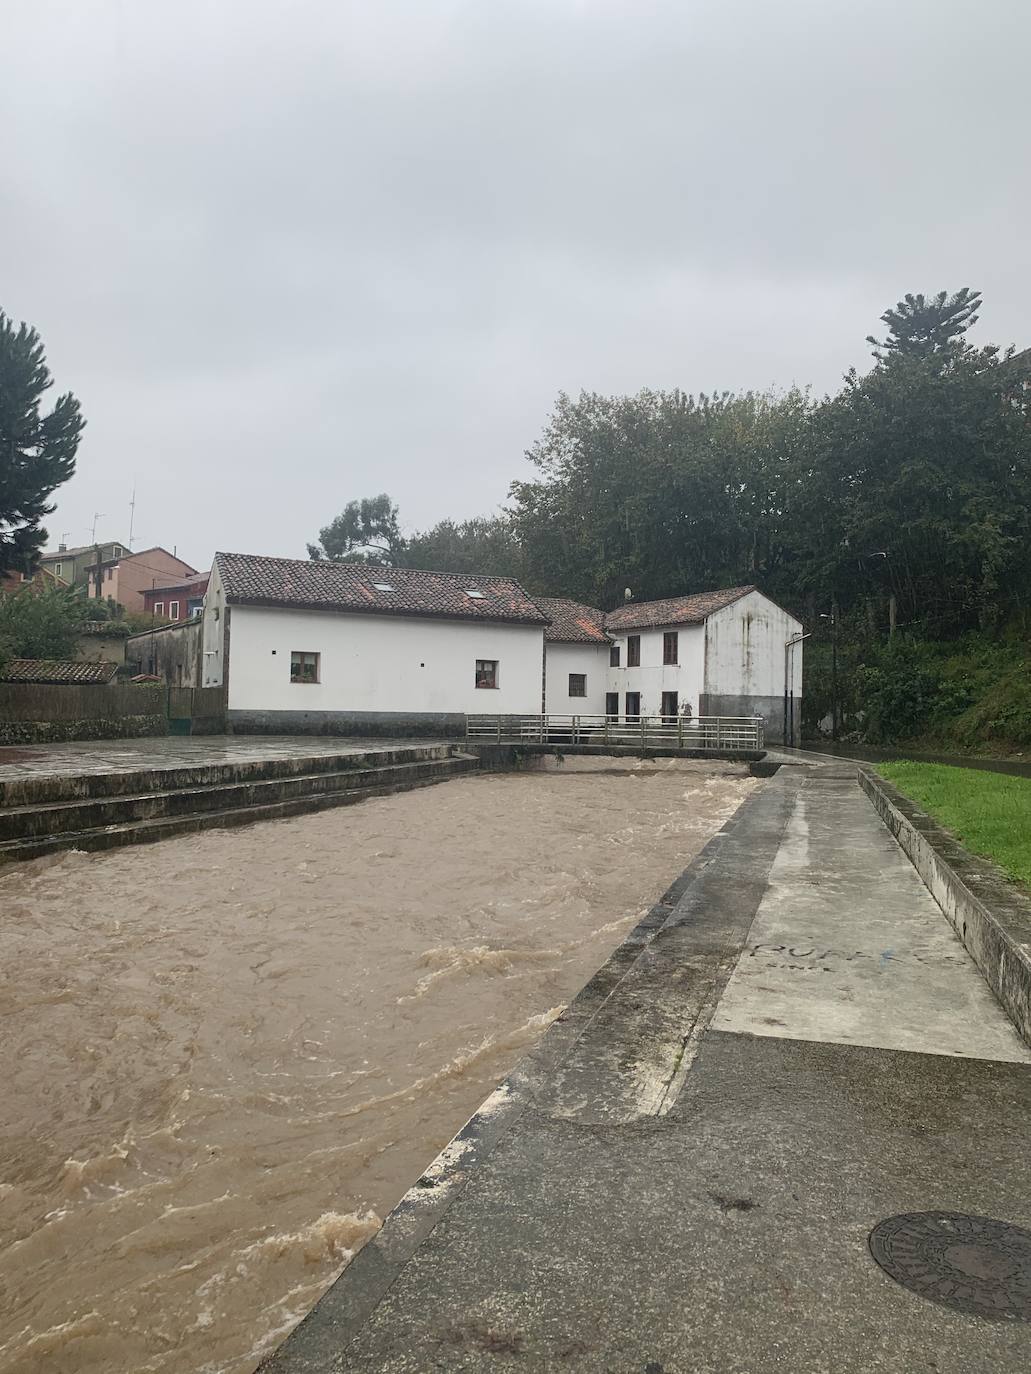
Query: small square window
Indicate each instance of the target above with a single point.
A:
(476, 596)
(577, 684)
(304, 667)
(614, 656)
(486, 672)
(670, 646)
(633, 651)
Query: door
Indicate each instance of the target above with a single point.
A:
(612, 704)
(669, 707)
(633, 703)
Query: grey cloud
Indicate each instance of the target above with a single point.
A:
(290, 254)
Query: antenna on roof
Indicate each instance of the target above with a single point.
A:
(97, 515)
(627, 594)
(132, 513)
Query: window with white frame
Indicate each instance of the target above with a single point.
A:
(159, 608)
(173, 610)
(304, 667)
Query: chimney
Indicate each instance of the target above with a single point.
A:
(62, 548)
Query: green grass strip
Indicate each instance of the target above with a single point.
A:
(988, 812)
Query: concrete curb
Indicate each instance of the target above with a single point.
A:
(989, 914)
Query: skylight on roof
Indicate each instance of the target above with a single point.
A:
(476, 596)
(383, 586)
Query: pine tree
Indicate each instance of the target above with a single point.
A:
(923, 328)
(37, 450)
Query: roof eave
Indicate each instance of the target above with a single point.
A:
(272, 603)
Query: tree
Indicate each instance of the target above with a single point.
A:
(921, 328)
(365, 531)
(658, 492)
(41, 621)
(486, 544)
(37, 450)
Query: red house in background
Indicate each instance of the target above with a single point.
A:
(177, 601)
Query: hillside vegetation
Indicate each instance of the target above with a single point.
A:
(971, 694)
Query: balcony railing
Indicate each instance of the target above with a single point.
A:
(708, 734)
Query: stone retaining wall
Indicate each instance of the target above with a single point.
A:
(39, 713)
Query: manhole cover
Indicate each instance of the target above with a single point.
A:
(975, 1264)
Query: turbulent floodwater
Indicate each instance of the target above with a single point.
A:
(226, 1056)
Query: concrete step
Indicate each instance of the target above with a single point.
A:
(373, 783)
(25, 822)
(24, 791)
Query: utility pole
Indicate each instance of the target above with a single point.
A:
(833, 618)
(834, 669)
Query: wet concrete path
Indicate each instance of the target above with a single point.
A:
(849, 947)
(85, 758)
(684, 1175)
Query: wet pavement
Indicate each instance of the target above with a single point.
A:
(685, 1173)
(89, 757)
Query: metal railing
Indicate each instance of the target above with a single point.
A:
(709, 733)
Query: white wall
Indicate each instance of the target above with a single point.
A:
(653, 677)
(213, 633)
(745, 649)
(590, 659)
(380, 663)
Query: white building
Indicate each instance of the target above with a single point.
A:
(576, 657)
(354, 647)
(301, 645)
(725, 653)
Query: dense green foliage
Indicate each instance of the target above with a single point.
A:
(365, 531)
(37, 450)
(971, 693)
(40, 622)
(911, 486)
(988, 812)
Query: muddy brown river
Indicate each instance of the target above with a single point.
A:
(226, 1056)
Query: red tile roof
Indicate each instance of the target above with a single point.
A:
(57, 670)
(572, 622)
(322, 585)
(674, 610)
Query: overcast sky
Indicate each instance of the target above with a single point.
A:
(290, 252)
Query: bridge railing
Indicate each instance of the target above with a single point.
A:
(712, 734)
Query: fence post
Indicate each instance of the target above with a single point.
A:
(499, 729)
(643, 735)
(680, 732)
(719, 734)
